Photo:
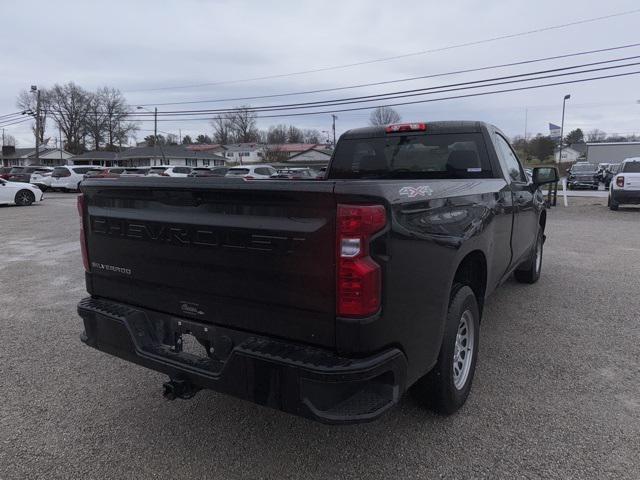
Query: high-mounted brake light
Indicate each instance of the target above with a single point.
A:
(620, 181)
(358, 282)
(83, 240)
(406, 127)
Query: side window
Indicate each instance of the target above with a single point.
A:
(514, 169)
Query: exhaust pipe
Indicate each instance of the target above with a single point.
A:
(178, 389)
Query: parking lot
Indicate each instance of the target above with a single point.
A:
(556, 392)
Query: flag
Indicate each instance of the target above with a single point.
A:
(554, 131)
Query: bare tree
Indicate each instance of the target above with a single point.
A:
(596, 135)
(221, 129)
(172, 139)
(384, 116)
(115, 108)
(277, 134)
(8, 139)
(69, 106)
(27, 102)
(311, 136)
(294, 134)
(243, 125)
(96, 120)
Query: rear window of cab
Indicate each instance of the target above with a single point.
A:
(423, 156)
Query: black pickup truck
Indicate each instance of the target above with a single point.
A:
(322, 298)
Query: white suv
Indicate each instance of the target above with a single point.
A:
(170, 171)
(252, 171)
(69, 177)
(625, 186)
(42, 178)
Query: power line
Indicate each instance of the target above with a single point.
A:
(414, 102)
(15, 123)
(11, 114)
(387, 82)
(415, 92)
(396, 57)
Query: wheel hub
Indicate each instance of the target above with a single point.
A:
(463, 350)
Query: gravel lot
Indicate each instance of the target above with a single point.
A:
(556, 394)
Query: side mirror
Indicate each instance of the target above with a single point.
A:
(544, 175)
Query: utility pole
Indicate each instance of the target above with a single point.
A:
(2, 162)
(155, 124)
(60, 135)
(334, 117)
(179, 136)
(526, 115)
(564, 101)
(34, 88)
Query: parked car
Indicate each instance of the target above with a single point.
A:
(68, 177)
(170, 171)
(38, 175)
(42, 178)
(294, 174)
(19, 193)
(625, 186)
(609, 173)
(4, 172)
(325, 299)
(583, 175)
(116, 172)
(209, 172)
(259, 172)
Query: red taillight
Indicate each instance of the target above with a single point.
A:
(620, 181)
(406, 127)
(358, 285)
(249, 177)
(83, 240)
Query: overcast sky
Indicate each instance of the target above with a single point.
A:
(144, 45)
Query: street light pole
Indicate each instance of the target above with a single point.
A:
(564, 101)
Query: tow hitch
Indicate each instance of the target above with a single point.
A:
(178, 389)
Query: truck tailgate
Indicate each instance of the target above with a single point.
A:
(257, 256)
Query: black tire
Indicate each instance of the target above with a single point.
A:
(612, 205)
(438, 389)
(529, 271)
(569, 186)
(24, 198)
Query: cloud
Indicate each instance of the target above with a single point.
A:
(137, 46)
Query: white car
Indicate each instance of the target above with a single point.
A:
(625, 186)
(259, 172)
(19, 193)
(170, 171)
(69, 177)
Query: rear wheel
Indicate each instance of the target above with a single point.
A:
(612, 205)
(25, 198)
(529, 271)
(446, 387)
